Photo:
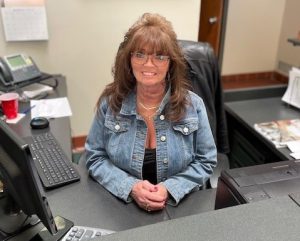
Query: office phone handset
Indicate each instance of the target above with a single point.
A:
(17, 68)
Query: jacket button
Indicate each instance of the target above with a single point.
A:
(185, 130)
(165, 161)
(163, 138)
(117, 127)
(161, 117)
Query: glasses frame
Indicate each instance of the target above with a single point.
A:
(158, 60)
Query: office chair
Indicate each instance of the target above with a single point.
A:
(204, 74)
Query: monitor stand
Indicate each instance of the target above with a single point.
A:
(63, 226)
(12, 220)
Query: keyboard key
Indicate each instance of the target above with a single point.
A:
(53, 166)
(79, 233)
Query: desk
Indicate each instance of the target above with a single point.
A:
(59, 127)
(272, 220)
(248, 147)
(89, 204)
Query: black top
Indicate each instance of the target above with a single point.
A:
(149, 166)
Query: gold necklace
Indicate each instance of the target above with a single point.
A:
(147, 108)
(150, 116)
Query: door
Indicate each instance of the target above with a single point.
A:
(212, 24)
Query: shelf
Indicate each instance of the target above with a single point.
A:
(294, 41)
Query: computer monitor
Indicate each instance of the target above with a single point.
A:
(22, 186)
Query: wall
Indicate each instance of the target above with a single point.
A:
(252, 35)
(84, 37)
(289, 55)
(85, 34)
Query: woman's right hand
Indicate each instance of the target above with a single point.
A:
(147, 197)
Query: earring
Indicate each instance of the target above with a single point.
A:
(168, 76)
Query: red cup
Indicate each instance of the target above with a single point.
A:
(10, 104)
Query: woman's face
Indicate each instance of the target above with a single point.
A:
(149, 69)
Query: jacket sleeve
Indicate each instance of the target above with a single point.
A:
(200, 168)
(115, 180)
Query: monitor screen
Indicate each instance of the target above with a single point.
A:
(19, 176)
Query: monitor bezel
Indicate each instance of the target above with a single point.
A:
(21, 179)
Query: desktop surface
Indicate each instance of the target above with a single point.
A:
(87, 203)
(248, 147)
(275, 219)
(262, 110)
(59, 127)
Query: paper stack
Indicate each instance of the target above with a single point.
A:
(292, 94)
(36, 89)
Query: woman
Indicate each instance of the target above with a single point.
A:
(150, 140)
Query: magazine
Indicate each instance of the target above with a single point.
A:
(280, 132)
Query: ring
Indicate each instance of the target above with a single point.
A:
(147, 207)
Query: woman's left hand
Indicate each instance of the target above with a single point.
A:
(161, 193)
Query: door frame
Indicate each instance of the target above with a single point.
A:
(224, 13)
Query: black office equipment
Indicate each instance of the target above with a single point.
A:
(39, 123)
(255, 183)
(21, 184)
(52, 164)
(17, 68)
(24, 198)
(81, 233)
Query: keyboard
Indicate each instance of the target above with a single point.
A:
(80, 233)
(53, 166)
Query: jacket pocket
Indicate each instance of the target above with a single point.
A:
(117, 125)
(185, 138)
(186, 128)
(116, 130)
(117, 133)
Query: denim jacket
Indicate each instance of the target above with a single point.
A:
(185, 150)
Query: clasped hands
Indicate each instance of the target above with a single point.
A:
(148, 196)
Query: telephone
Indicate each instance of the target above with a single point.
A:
(17, 68)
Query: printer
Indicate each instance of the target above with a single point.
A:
(260, 182)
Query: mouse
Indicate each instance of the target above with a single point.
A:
(39, 123)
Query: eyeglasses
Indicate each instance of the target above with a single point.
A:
(157, 59)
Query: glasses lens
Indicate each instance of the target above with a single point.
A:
(141, 58)
(160, 60)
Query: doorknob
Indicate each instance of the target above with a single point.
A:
(212, 20)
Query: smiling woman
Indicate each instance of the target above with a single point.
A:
(150, 141)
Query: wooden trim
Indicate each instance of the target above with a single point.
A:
(78, 142)
(253, 79)
(229, 82)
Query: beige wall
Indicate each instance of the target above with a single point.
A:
(287, 53)
(252, 35)
(84, 37)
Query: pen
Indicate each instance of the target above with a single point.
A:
(28, 109)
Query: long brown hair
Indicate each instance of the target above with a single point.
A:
(156, 32)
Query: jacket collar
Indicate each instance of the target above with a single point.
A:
(129, 103)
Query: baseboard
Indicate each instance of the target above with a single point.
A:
(253, 79)
(229, 82)
(78, 143)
